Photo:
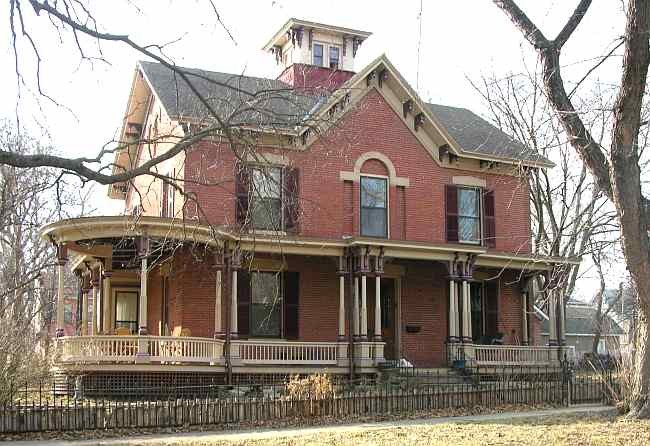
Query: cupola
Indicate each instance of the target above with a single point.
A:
(314, 55)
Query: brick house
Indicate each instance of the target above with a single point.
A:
(334, 221)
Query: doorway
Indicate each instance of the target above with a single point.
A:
(388, 315)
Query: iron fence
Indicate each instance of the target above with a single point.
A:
(49, 406)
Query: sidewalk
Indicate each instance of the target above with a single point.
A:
(259, 434)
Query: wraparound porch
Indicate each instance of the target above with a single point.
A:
(286, 356)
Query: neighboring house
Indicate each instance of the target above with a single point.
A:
(366, 226)
(580, 331)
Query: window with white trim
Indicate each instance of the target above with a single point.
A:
(334, 57)
(266, 198)
(318, 55)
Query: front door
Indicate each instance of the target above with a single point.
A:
(388, 314)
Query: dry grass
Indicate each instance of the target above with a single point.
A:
(567, 430)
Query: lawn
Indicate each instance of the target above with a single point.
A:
(567, 430)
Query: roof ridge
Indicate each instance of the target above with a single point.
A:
(214, 72)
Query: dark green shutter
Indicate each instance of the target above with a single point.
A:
(243, 303)
(491, 308)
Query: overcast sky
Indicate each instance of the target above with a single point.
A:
(460, 39)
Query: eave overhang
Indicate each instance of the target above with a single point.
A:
(88, 228)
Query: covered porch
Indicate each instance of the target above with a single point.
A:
(161, 294)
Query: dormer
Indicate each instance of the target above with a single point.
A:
(314, 55)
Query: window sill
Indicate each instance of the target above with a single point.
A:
(267, 232)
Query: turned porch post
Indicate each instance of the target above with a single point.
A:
(85, 290)
(355, 312)
(524, 315)
(562, 334)
(106, 297)
(364, 308)
(62, 258)
(144, 275)
(96, 290)
(235, 263)
(453, 312)
(379, 270)
(218, 330)
(552, 319)
(467, 313)
(341, 273)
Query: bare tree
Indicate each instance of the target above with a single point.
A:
(29, 199)
(617, 173)
(570, 215)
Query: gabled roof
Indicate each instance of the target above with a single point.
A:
(244, 100)
(580, 321)
(475, 134)
(254, 101)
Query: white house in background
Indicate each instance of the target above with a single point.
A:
(580, 331)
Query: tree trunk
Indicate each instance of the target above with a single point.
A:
(639, 400)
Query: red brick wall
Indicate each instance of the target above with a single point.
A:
(372, 126)
(424, 304)
(424, 300)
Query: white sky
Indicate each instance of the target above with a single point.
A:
(460, 39)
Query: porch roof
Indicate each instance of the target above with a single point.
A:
(71, 231)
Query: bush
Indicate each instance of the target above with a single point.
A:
(313, 387)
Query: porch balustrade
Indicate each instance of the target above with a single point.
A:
(282, 352)
(163, 349)
(515, 355)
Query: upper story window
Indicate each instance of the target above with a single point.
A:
(334, 57)
(469, 215)
(268, 197)
(374, 206)
(319, 58)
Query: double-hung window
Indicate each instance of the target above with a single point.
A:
(318, 56)
(374, 207)
(334, 57)
(266, 198)
(266, 304)
(469, 215)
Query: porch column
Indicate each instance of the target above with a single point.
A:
(144, 276)
(552, 320)
(341, 306)
(467, 314)
(233, 305)
(364, 308)
(453, 312)
(143, 344)
(355, 312)
(96, 300)
(524, 316)
(218, 331)
(106, 297)
(60, 294)
(85, 289)
(377, 308)
(562, 334)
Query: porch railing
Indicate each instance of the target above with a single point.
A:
(286, 352)
(510, 355)
(164, 349)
